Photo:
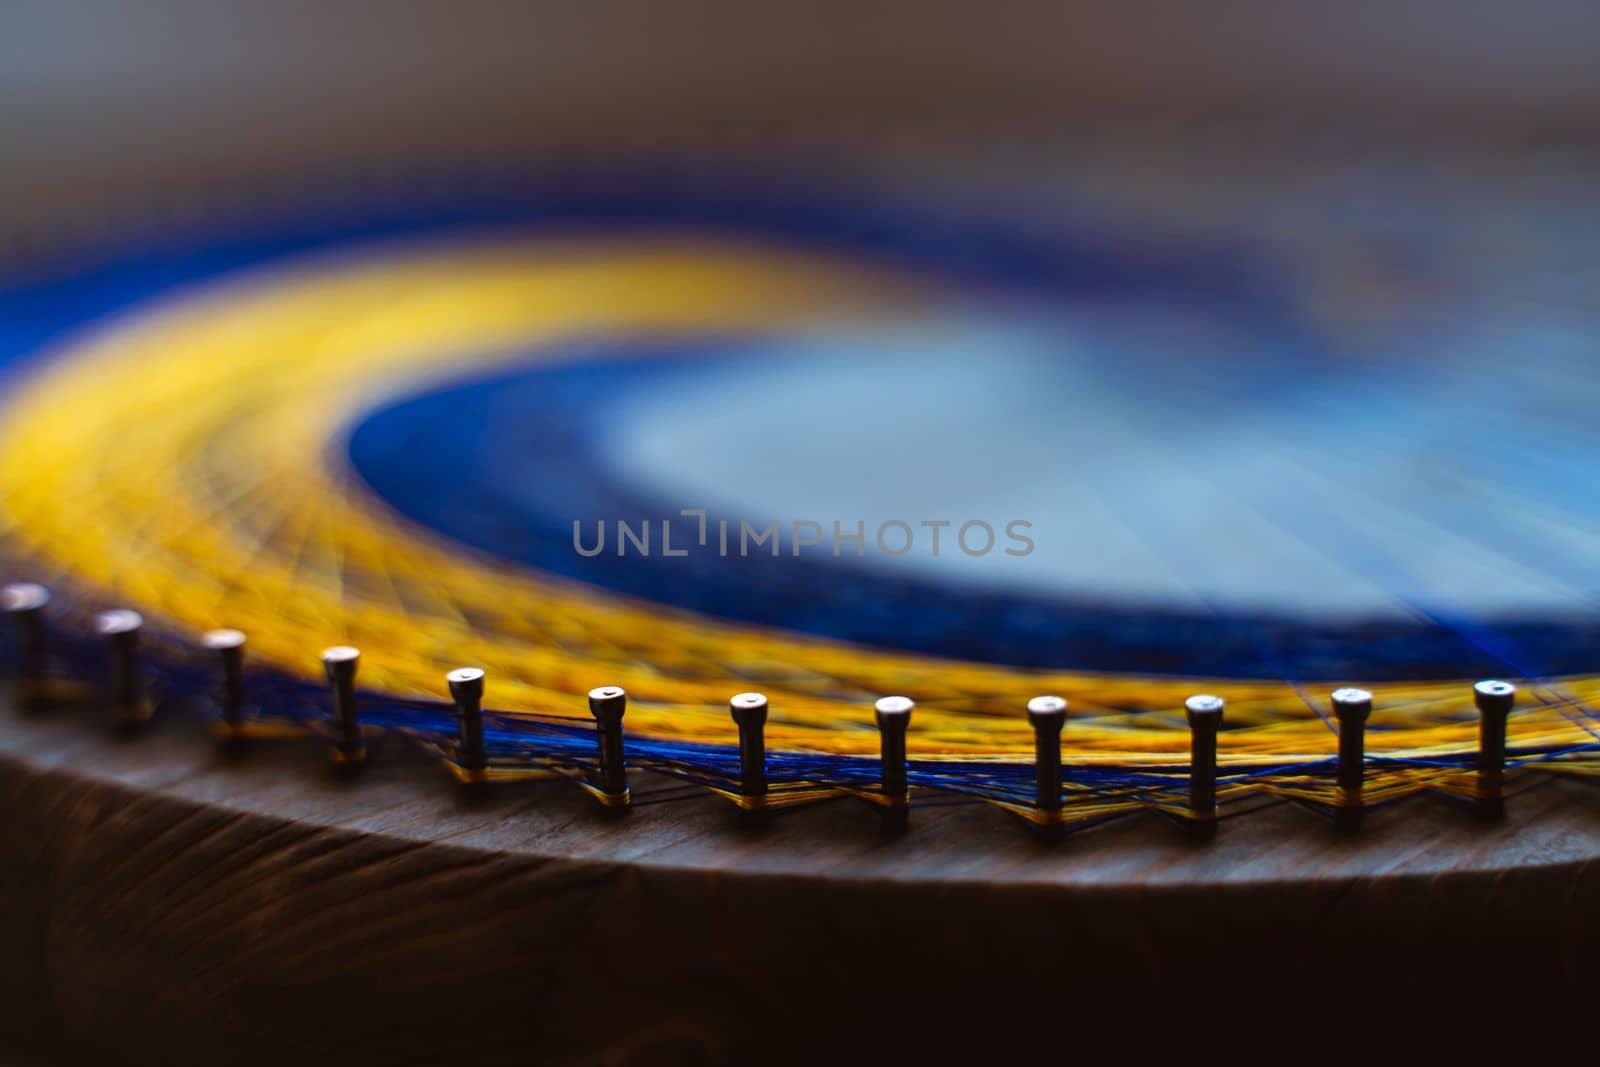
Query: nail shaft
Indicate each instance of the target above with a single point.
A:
(749, 711)
(1048, 714)
(229, 647)
(121, 629)
(894, 716)
(466, 689)
(1351, 708)
(339, 663)
(608, 704)
(1205, 717)
(25, 602)
(1494, 700)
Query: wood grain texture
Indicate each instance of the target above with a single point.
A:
(161, 903)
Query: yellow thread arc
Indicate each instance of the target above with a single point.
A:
(184, 459)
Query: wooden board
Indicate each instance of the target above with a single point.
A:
(162, 903)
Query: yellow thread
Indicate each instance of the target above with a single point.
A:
(779, 795)
(214, 502)
(259, 730)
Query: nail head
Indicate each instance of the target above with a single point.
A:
(894, 705)
(219, 640)
(24, 596)
(117, 621)
(1047, 705)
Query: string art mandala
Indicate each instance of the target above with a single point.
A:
(691, 442)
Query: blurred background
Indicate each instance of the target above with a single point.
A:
(103, 95)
